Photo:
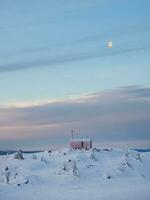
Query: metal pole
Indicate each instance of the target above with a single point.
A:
(72, 134)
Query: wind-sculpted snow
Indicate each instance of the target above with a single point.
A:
(95, 174)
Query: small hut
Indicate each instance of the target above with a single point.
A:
(85, 143)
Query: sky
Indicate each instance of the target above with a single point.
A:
(57, 73)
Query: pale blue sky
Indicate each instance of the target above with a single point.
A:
(63, 45)
(56, 49)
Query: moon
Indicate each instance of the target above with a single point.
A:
(109, 44)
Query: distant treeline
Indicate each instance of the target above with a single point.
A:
(142, 150)
(14, 151)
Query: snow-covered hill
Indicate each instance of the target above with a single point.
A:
(100, 174)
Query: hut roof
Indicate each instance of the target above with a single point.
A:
(80, 139)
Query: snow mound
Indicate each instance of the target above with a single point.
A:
(79, 174)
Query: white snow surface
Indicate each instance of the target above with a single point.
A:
(77, 175)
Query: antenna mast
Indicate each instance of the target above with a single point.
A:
(72, 134)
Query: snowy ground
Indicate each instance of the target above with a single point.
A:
(82, 175)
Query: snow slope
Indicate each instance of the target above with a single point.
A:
(69, 175)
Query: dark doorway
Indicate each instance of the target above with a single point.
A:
(82, 144)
